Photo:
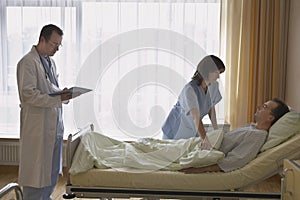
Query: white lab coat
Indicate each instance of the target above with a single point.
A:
(38, 121)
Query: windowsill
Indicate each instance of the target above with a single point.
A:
(10, 136)
(12, 132)
(16, 137)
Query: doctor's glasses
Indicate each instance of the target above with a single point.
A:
(54, 44)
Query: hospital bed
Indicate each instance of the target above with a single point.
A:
(110, 183)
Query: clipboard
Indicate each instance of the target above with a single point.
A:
(71, 90)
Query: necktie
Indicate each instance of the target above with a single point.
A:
(51, 73)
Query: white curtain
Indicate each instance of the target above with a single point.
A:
(135, 56)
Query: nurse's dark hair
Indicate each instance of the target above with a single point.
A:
(207, 65)
(47, 30)
(280, 110)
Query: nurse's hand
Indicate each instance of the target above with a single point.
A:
(205, 144)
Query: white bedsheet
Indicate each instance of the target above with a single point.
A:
(97, 150)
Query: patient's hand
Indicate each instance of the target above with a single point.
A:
(198, 170)
(192, 170)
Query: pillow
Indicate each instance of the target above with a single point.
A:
(287, 126)
(215, 137)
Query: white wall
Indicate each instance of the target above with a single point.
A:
(293, 59)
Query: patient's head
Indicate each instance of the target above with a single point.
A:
(280, 110)
(269, 112)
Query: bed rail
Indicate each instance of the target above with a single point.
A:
(12, 187)
(72, 143)
(86, 192)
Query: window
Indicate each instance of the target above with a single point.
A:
(136, 56)
(20, 28)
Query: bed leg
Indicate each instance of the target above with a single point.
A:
(69, 196)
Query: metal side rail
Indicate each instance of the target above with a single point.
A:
(85, 192)
(12, 187)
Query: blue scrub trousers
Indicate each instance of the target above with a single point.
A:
(31, 193)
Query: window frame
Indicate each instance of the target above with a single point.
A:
(36, 3)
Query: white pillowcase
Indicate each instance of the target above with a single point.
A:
(287, 126)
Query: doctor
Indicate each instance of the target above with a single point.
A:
(41, 131)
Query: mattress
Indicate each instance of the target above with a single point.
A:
(263, 166)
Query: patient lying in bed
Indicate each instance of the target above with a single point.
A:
(237, 148)
(97, 150)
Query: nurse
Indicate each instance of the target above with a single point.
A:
(197, 99)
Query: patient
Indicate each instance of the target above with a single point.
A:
(237, 148)
(241, 145)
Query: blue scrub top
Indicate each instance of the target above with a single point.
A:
(179, 123)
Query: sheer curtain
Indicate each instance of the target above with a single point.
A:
(21, 22)
(135, 56)
(254, 42)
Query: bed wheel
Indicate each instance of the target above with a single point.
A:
(69, 196)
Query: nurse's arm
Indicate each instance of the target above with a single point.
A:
(213, 117)
(195, 114)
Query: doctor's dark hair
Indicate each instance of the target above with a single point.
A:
(208, 65)
(280, 110)
(47, 30)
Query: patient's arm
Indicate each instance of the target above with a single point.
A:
(193, 170)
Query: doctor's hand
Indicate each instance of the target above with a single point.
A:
(66, 96)
(69, 95)
(205, 144)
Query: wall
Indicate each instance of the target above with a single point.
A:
(293, 59)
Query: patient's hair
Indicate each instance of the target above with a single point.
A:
(280, 110)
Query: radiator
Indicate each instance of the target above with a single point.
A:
(9, 153)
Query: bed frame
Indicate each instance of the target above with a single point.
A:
(73, 191)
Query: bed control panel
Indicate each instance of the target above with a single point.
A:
(290, 180)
